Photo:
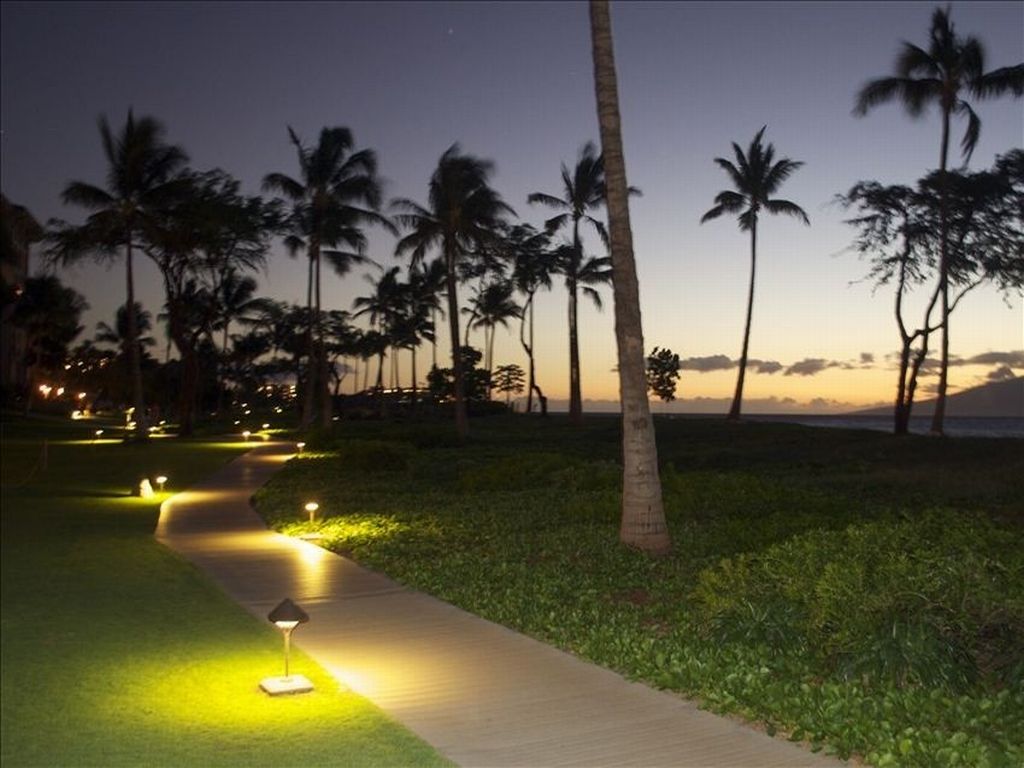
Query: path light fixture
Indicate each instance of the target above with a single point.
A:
(145, 489)
(312, 507)
(161, 480)
(245, 435)
(299, 447)
(286, 617)
(266, 426)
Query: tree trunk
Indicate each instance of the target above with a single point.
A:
(490, 358)
(134, 361)
(737, 400)
(575, 395)
(940, 400)
(324, 390)
(900, 415)
(310, 392)
(643, 517)
(461, 417)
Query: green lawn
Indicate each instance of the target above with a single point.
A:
(858, 592)
(117, 652)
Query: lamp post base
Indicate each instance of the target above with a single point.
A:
(278, 686)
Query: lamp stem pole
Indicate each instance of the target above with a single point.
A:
(287, 649)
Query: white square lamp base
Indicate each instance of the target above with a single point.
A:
(278, 686)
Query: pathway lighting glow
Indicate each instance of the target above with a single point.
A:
(245, 435)
(161, 480)
(312, 507)
(97, 434)
(81, 395)
(299, 447)
(60, 391)
(146, 489)
(286, 617)
(237, 422)
(266, 426)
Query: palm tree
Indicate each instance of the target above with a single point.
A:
(462, 215)
(383, 306)
(643, 516)
(951, 67)
(139, 182)
(584, 191)
(337, 193)
(756, 176)
(120, 334)
(533, 266)
(494, 306)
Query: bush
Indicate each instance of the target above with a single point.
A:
(934, 601)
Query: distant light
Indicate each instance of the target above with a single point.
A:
(146, 489)
(248, 412)
(60, 391)
(81, 395)
(161, 480)
(237, 422)
(299, 446)
(45, 389)
(266, 426)
(245, 435)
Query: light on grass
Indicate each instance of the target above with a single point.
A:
(161, 481)
(286, 617)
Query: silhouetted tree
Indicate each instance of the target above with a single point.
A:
(662, 373)
(508, 379)
(756, 176)
(140, 170)
(949, 69)
(463, 214)
(534, 264)
(336, 195)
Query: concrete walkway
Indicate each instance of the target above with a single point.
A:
(481, 694)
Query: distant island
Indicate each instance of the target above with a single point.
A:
(1000, 399)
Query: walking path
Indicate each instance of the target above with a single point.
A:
(480, 693)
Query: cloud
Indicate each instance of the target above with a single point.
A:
(1002, 373)
(705, 364)
(1010, 359)
(866, 358)
(765, 366)
(810, 366)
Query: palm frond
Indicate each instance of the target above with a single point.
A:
(87, 196)
(1001, 81)
(971, 132)
(284, 184)
(787, 207)
(545, 199)
(915, 95)
(914, 62)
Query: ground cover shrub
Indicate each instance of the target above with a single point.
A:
(934, 600)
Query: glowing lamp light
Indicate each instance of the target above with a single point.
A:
(245, 435)
(286, 617)
(146, 489)
(161, 481)
(266, 426)
(237, 422)
(81, 395)
(299, 446)
(60, 391)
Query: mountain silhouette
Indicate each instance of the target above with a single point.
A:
(999, 399)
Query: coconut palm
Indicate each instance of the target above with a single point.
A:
(119, 335)
(643, 516)
(336, 195)
(756, 176)
(583, 191)
(534, 264)
(140, 171)
(384, 307)
(949, 69)
(494, 306)
(462, 215)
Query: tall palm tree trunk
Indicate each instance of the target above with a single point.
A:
(461, 417)
(940, 402)
(308, 395)
(643, 516)
(414, 386)
(737, 400)
(134, 359)
(575, 395)
(323, 379)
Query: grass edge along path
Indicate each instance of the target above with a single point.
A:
(116, 651)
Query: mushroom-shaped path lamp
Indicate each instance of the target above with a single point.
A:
(286, 617)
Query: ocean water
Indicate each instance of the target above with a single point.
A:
(955, 426)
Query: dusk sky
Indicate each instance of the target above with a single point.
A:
(513, 82)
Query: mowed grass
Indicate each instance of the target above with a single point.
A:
(856, 592)
(118, 652)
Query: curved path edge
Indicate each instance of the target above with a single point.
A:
(480, 693)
